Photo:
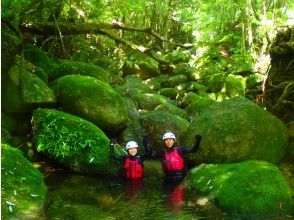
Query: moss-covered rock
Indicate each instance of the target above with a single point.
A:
(132, 85)
(73, 141)
(174, 81)
(154, 83)
(178, 55)
(38, 57)
(169, 92)
(10, 47)
(173, 109)
(23, 191)
(186, 69)
(246, 190)
(24, 91)
(92, 99)
(157, 123)
(200, 103)
(235, 85)
(148, 68)
(149, 101)
(69, 67)
(238, 129)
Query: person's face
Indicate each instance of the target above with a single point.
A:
(169, 142)
(133, 151)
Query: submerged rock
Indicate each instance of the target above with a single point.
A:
(236, 130)
(23, 191)
(246, 190)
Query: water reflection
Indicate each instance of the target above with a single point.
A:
(78, 197)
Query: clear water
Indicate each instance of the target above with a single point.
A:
(79, 197)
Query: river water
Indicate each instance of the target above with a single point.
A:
(81, 197)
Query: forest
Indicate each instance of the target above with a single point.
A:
(82, 80)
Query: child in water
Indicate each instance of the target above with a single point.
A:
(132, 162)
(173, 160)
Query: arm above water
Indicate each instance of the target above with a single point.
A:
(196, 146)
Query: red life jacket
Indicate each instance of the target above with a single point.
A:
(172, 161)
(133, 168)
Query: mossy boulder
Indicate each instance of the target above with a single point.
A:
(93, 100)
(131, 85)
(235, 85)
(148, 68)
(178, 55)
(10, 47)
(38, 57)
(72, 141)
(173, 109)
(235, 130)
(169, 92)
(186, 69)
(199, 104)
(174, 81)
(69, 67)
(23, 191)
(246, 190)
(149, 101)
(24, 91)
(154, 83)
(157, 123)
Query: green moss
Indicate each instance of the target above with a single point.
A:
(74, 142)
(238, 129)
(38, 57)
(21, 185)
(169, 92)
(157, 123)
(235, 85)
(170, 108)
(198, 105)
(149, 101)
(174, 81)
(70, 67)
(93, 100)
(249, 190)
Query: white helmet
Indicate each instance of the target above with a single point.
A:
(169, 135)
(131, 144)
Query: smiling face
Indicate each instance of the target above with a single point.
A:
(133, 151)
(169, 142)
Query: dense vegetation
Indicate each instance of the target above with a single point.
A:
(79, 74)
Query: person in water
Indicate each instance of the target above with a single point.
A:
(132, 162)
(173, 158)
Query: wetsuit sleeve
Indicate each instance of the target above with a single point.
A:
(193, 149)
(113, 155)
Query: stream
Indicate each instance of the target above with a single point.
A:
(82, 197)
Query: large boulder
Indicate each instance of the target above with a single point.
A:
(38, 57)
(149, 101)
(236, 130)
(246, 190)
(23, 91)
(10, 47)
(23, 191)
(70, 67)
(157, 123)
(93, 100)
(73, 141)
